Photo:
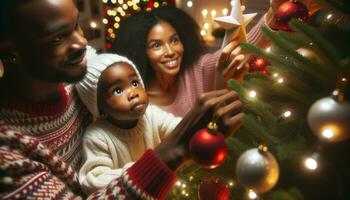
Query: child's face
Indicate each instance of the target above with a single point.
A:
(122, 96)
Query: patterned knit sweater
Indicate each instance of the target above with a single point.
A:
(40, 152)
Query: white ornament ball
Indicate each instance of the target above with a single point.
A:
(329, 119)
(257, 170)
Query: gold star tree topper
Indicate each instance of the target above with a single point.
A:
(235, 24)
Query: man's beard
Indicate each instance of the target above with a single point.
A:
(58, 76)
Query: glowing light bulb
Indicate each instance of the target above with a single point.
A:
(104, 1)
(252, 194)
(125, 6)
(275, 74)
(189, 4)
(206, 26)
(287, 114)
(93, 24)
(268, 49)
(117, 19)
(205, 12)
(344, 79)
(213, 13)
(328, 133)
(105, 21)
(231, 183)
(203, 32)
(329, 16)
(183, 185)
(113, 1)
(310, 163)
(178, 183)
(156, 4)
(280, 80)
(120, 1)
(225, 11)
(252, 94)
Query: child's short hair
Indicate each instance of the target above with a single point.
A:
(87, 88)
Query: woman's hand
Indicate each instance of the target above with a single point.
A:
(221, 104)
(231, 56)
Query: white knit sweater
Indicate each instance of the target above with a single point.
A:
(108, 150)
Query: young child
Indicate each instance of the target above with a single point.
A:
(126, 125)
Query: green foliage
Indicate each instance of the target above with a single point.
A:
(305, 81)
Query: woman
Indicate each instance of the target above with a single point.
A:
(166, 46)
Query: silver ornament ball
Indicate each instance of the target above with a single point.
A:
(329, 119)
(257, 170)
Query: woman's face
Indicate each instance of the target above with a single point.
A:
(164, 49)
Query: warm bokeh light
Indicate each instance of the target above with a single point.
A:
(252, 194)
(204, 12)
(189, 4)
(252, 94)
(310, 163)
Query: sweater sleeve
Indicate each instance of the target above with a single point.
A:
(98, 169)
(206, 66)
(28, 170)
(166, 122)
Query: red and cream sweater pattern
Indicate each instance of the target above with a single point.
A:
(40, 152)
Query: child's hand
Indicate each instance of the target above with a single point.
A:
(223, 104)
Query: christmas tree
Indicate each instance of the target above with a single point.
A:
(295, 136)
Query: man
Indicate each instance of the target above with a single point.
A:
(42, 120)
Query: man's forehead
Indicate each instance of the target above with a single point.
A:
(46, 16)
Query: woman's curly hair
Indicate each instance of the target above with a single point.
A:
(131, 37)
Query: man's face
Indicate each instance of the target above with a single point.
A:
(49, 41)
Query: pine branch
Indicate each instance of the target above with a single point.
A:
(257, 131)
(318, 40)
(284, 47)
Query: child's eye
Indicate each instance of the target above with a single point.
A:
(118, 91)
(135, 83)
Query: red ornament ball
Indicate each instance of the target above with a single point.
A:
(212, 189)
(289, 10)
(258, 64)
(208, 149)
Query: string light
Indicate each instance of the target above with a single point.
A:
(93, 24)
(117, 19)
(204, 12)
(183, 185)
(120, 1)
(329, 16)
(252, 194)
(287, 114)
(213, 13)
(191, 178)
(206, 26)
(189, 4)
(156, 4)
(104, 1)
(344, 79)
(268, 49)
(105, 21)
(125, 6)
(130, 3)
(280, 80)
(252, 94)
(275, 75)
(178, 183)
(311, 162)
(203, 32)
(231, 183)
(225, 11)
(327, 133)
